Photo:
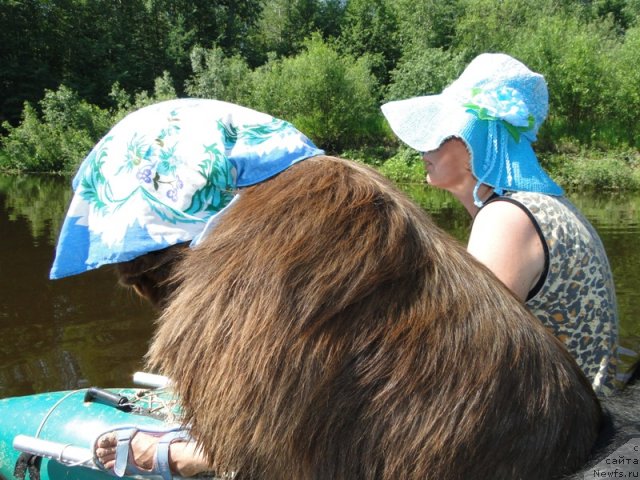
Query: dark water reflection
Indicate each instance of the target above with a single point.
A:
(86, 330)
(62, 334)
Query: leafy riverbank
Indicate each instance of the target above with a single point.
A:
(73, 68)
(573, 169)
(56, 136)
(584, 170)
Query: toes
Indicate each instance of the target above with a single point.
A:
(107, 440)
(105, 454)
(106, 450)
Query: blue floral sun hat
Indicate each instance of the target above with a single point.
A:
(164, 174)
(496, 107)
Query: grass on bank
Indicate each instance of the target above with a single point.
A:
(61, 137)
(595, 170)
(572, 169)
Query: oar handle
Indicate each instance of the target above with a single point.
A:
(150, 380)
(63, 453)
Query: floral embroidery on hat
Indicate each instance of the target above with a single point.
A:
(504, 104)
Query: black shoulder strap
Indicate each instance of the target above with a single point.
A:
(543, 276)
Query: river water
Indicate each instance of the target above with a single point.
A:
(88, 331)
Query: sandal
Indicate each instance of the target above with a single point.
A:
(125, 463)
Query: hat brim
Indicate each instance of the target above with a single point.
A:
(425, 122)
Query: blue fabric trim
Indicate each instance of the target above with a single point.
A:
(72, 250)
(162, 172)
(79, 250)
(254, 169)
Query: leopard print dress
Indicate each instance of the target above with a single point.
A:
(575, 297)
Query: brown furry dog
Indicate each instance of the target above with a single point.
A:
(150, 274)
(327, 329)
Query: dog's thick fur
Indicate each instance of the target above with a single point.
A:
(150, 275)
(327, 329)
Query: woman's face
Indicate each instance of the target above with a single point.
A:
(448, 167)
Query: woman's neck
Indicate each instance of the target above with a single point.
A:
(465, 196)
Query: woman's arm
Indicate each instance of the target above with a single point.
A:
(504, 239)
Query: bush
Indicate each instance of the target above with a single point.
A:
(405, 167)
(67, 127)
(372, 155)
(493, 26)
(625, 97)
(423, 72)
(218, 77)
(594, 170)
(328, 96)
(57, 139)
(163, 89)
(576, 60)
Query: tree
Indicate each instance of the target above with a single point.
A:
(489, 26)
(285, 24)
(575, 57)
(369, 27)
(219, 77)
(25, 53)
(424, 71)
(328, 96)
(428, 23)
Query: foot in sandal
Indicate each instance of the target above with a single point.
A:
(131, 450)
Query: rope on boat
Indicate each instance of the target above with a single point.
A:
(51, 410)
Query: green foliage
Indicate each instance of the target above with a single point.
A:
(405, 167)
(285, 24)
(369, 27)
(328, 96)
(428, 23)
(331, 18)
(373, 156)
(424, 72)
(324, 65)
(489, 26)
(219, 77)
(617, 11)
(624, 97)
(575, 58)
(594, 170)
(163, 90)
(56, 140)
(58, 135)
(90, 45)
(632, 11)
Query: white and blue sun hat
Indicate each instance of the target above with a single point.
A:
(496, 107)
(164, 174)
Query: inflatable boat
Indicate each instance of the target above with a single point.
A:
(50, 436)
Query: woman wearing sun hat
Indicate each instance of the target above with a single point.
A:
(476, 141)
(155, 184)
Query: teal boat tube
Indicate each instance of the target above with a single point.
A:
(51, 435)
